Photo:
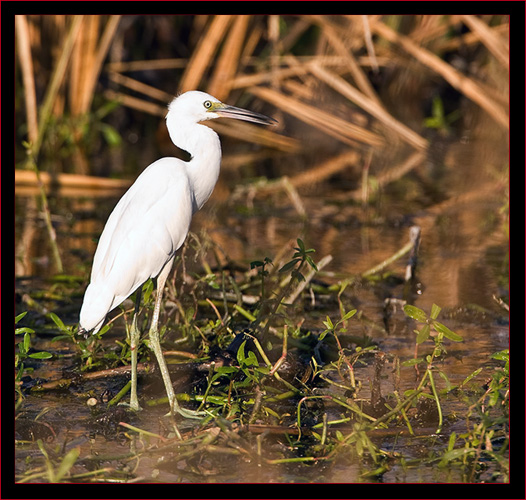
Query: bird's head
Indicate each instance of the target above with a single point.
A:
(196, 106)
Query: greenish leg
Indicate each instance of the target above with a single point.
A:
(155, 345)
(135, 335)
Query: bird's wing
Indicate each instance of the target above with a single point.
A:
(147, 226)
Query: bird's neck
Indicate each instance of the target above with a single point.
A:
(204, 147)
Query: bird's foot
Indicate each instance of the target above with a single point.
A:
(186, 413)
(135, 407)
(130, 405)
(191, 413)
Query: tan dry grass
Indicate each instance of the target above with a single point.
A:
(462, 83)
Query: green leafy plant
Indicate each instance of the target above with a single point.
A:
(24, 348)
(438, 331)
(438, 119)
(300, 257)
(88, 347)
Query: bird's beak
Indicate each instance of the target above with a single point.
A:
(243, 114)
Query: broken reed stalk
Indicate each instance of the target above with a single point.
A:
(136, 103)
(29, 178)
(470, 38)
(369, 43)
(148, 65)
(414, 238)
(410, 246)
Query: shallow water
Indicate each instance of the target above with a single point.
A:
(462, 267)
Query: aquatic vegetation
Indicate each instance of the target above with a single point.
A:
(277, 393)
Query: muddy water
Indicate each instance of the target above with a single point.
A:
(462, 266)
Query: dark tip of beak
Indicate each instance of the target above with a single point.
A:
(245, 115)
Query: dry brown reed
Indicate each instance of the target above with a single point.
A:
(489, 38)
(326, 122)
(228, 57)
(461, 82)
(227, 63)
(26, 64)
(203, 53)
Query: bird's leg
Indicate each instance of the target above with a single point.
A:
(135, 335)
(155, 345)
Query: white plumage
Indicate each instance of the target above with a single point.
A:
(151, 221)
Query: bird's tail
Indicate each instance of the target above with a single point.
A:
(82, 332)
(96, 305)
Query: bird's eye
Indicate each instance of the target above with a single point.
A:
(207, 104)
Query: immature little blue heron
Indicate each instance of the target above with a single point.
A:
(151, 221)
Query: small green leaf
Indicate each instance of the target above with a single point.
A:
(24, 329)
(251, 359)
(289, 265)
(311, 263)
(349, 315)
(423, 334)
(147, 290)
(472, 375)
(224, 370)
(19, 317)
(41, 355)
(412, 362)
(57, 321)
(415, 313)
(444, 330)
(27, 342)
(301, 245)
(452, 439)
(324, 334)
(502, 355)
(110, 134)
(435, 311)
(66, 464)
(446, 380)
(241, 353)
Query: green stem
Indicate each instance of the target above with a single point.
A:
(435, 394)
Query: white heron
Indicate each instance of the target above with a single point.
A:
(150, 223)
